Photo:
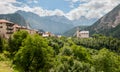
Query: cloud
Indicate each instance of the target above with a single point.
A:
(33, 1)
(72, 1)
(8, 1)
(7, 7)
(88, 8)
(92, 8)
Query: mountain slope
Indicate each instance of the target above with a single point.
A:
(72, 31)
(82, 21)
(15, 17)
(54, 24)
(107, 23)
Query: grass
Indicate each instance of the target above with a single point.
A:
(5, 66)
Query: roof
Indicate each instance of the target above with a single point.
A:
(5, 21)
(84, 31)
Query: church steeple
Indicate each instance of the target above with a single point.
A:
(77, 32)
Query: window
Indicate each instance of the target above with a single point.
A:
(1, 26)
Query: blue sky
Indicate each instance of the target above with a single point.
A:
(71, 9)
(51, 4)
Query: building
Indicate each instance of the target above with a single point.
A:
(47, 34)
(82, 34)
(6, 28)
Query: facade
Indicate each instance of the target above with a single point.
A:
(47, 34)
(30, 31)
(82, 34)
(6, 28)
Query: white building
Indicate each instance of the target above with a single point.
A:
(82, 34)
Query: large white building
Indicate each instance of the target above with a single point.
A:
(82, 34)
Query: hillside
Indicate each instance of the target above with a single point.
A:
(15, 17)
(115, 32)
(72, 31)
(82, 21)
(107, 23)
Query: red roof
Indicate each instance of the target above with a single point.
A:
(4, 21)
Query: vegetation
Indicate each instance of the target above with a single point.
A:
(33, 53)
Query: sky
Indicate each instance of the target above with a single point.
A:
(72, 9)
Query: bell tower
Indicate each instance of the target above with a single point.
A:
(77, 32)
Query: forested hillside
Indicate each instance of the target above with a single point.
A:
(33, 53)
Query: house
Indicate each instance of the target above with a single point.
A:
(6, 28)
(82, 34)
(48, 34)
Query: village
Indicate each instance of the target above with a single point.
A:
(7, 28)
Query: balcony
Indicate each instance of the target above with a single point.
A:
(9, 32)
(9, 24)
(9, 28)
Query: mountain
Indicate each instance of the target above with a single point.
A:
(108, 25)
(83, 21)
(15, 17)
(54, 24)
(72, 31)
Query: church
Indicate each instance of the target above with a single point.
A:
(82, 34)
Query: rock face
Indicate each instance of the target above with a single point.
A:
(117, 21)
(107, 23)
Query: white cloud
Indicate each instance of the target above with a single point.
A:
(75, 0)
(89, 9)
(7, 7)
(92, 8)
(72, 0)
(42, 12)
(33, 1)
(11, 1)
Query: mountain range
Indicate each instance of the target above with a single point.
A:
(55, 24)
(108, 25)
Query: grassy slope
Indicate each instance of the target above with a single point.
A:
(5, 67)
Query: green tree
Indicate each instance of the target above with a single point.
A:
(1, 45)
(34, 55)
(81, 53)
(107, 61)
(15, 41)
